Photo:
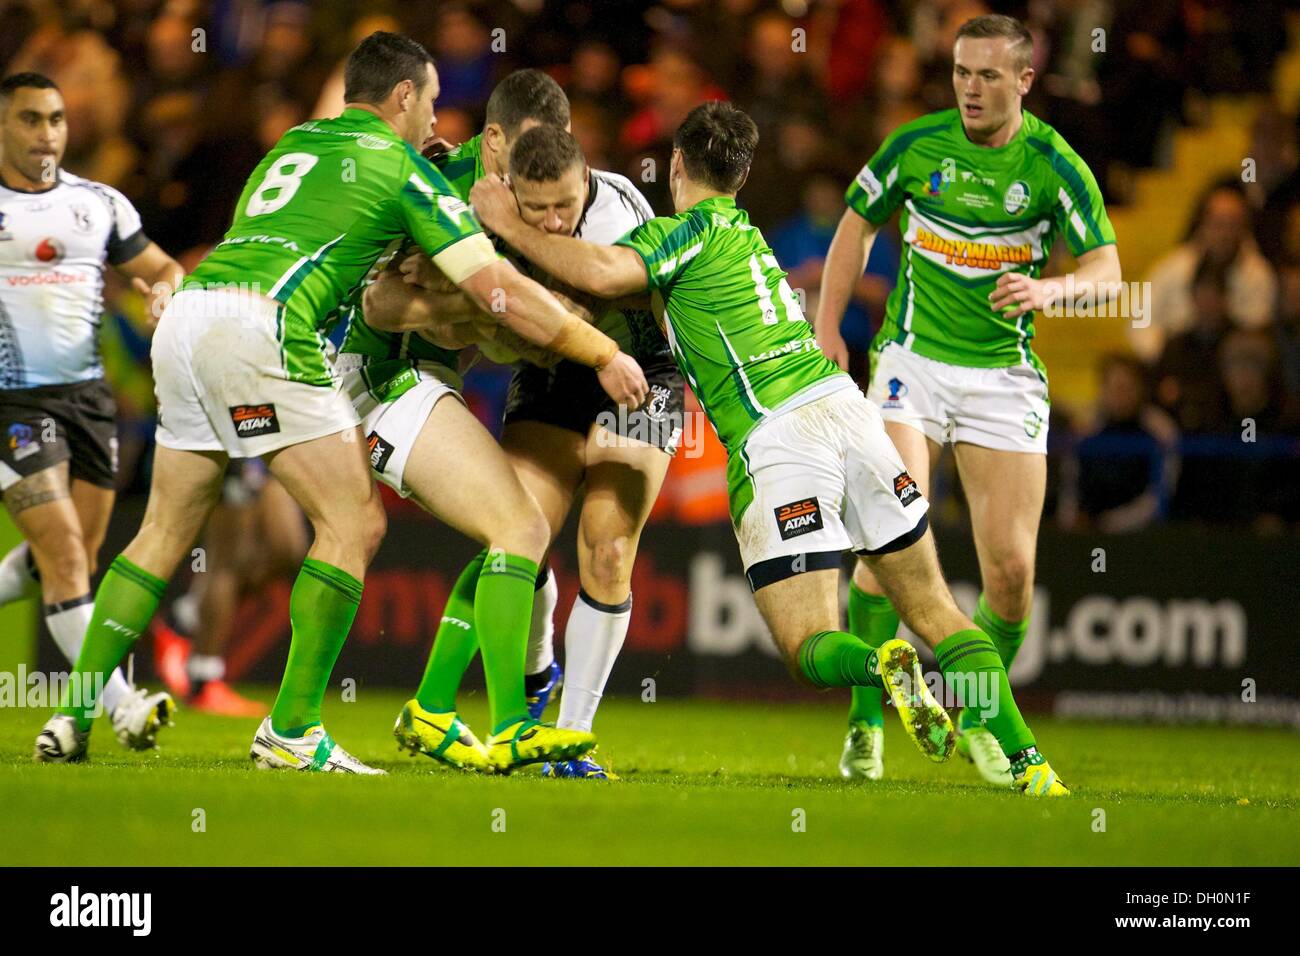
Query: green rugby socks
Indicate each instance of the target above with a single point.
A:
(503, 614)
(322, 606)
(124, 605)
(455, 644)
(1007, 638)
(838, 659)
(872, 619)
(970, 663)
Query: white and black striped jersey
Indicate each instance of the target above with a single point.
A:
(614, 208)
(53, 248)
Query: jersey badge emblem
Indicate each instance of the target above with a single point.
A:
(1016, 199)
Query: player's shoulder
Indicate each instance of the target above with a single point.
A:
(111, 197)
(615, 203)
(1043, 138)
(929, 125)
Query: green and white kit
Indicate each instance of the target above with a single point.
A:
(944, 361)
(811, 472)
(240, 353)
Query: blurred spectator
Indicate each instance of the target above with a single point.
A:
(467, 65)
(801, 245)
(1220, 233)
(594, 78)
(777, 81)
(669, 87)
(1288, 324)
(1185, 384)
(859, 28)
(1247, 473)
(1126, 465)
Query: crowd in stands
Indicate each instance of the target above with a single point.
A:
(174, 102)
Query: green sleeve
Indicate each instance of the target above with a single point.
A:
(1080, 213)
(877, 191)
(665, 244)
(432, 214)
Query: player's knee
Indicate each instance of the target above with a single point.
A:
(527, 534)
(62, 559)
(1009, 581)
(610, 568)
(373, 528)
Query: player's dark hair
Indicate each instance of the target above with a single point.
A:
(379, 63)
(544, 154)
(21, 81)
(998, 26)
(525, 95)
(717, 141)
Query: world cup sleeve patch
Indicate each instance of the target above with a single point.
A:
(798, 517)
(253, 420)
(906, 489)
(380, 452)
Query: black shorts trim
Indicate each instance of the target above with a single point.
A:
(787, 566)
(902, 541)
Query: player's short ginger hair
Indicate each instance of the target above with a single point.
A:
(997, 26)
(544, 154)
(717, 141)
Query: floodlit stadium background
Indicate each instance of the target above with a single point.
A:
(1168, 559)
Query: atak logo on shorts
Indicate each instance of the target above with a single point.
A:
(380, 452)
(897, 389)
(798, 517)
(905, 488)
(253, 420)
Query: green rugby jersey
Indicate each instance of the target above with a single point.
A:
(325, 203)
(734, 325)
(971, 213)
(387, 356)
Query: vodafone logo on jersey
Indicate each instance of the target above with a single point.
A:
(49, 250)
(53, 277)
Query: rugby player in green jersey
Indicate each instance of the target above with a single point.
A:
(240, 371)
(984, 190)
(811, 472)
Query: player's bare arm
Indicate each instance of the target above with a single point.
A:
(845, 262)
(607, 271)
(155, 275)
(527, 309)
(1096, 280)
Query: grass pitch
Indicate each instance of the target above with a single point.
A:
(703, 783)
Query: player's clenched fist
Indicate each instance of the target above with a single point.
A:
(623, 380)
(495, 204)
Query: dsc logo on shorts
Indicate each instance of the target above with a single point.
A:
(253, 420)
